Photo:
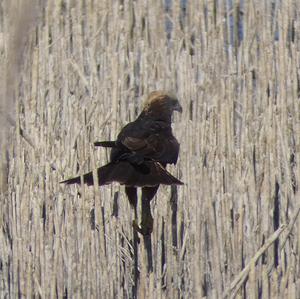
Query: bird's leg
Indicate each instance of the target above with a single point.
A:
(148, 193)
(147, 220)
(131, 193)
(147, 223)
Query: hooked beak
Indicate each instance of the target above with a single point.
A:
(178, 107)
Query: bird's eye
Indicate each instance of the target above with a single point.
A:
(174, 102)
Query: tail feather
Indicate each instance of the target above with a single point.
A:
(105, 143)
(87, 179)
(127, 174)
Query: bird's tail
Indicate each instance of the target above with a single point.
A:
(128, 174)
(87, 179)
(105, 143)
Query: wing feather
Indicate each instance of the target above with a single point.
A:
(151, 139)
(126, 174)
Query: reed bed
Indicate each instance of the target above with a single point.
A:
(76, 72)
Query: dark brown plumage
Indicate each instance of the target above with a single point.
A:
(140, 154)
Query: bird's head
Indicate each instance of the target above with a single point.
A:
(161, 105)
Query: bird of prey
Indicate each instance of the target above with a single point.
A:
(140, 154)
